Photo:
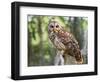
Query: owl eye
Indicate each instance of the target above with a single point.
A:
(51, 26)
(57, 26)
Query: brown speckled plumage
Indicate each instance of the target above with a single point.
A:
(65, 41)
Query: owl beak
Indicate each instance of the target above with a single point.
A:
(55, 30)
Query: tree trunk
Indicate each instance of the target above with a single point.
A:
(70, 60)
(41, 61)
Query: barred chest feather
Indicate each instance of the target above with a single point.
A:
(56, 41)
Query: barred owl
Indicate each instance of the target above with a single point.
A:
(64, 42)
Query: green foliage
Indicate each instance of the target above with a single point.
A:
(40, 49)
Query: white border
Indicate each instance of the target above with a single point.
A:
(24, 70)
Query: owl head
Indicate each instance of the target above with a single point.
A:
(54, 26)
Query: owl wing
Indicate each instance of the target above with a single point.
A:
(71, 45)
(67, 38)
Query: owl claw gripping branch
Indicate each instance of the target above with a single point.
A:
(65, 43)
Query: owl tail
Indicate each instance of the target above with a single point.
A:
(79, 58)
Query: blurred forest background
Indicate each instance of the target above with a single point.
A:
(41, 51)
